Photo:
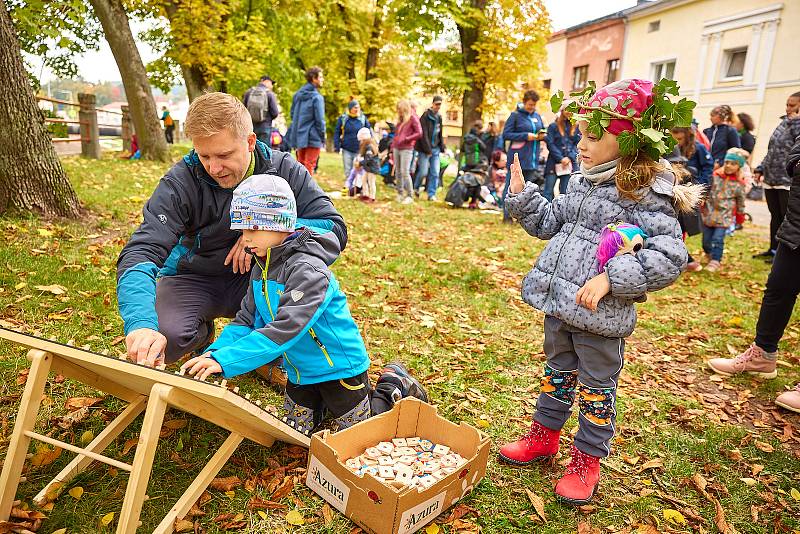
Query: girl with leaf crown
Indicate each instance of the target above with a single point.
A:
(624, 192)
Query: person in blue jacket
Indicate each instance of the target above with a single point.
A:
(721, 134)
(183, 267)
(524, 131)
(295, 308)
(306, 133)
(562, 157)
(345, 134)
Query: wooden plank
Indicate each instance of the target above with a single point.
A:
(78, 450)
(229, 421)
(26, 419)
(199, 485)
(138, 379)
(143, 460)
(81, 462)
(85, 376)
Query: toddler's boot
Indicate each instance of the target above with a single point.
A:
(407, 386)
(580, 480)
(750, 361)
(790, 399)
(538, 444)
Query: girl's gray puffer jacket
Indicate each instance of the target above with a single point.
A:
(573, 222)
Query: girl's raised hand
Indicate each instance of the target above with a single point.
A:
(202, 366)
(517, 179)
(592, 291)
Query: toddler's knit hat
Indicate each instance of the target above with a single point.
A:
(614, 94)
(363, 134)
(263, 202)
(735, 154)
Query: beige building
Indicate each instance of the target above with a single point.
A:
(735, 52)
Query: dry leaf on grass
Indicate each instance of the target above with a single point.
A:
(538, 504)
(74, 403)
(655, 463)
(55, 289)
(295, 518)
(225, 484)
(327, 513)
(184, 525)
(284, 489)
(45, 456)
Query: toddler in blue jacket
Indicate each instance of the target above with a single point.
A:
(294, 308)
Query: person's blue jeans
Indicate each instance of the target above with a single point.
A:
(428, 166)
(550, 184)
(714, 241)
(347, 159)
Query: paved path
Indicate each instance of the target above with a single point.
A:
(759, 212)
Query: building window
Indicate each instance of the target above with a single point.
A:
(580, 76)
(452, 115)
(612, 70)
(654, 26)
(546, 84)
(733, 63)
(664, 69)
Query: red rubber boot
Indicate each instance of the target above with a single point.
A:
(538, 444)
(580, 480)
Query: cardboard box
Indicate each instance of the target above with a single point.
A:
(375, 506)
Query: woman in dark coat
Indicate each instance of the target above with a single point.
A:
(562, 158)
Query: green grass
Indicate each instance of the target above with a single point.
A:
(439, 289)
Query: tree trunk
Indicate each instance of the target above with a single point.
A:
(118, 33)
(374, 39)
(31, 176)
(195, 81)
(473, 96)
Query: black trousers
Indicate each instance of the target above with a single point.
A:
(187, 305)
(168, 130)
(783, 286)
(777, 203)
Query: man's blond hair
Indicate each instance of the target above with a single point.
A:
(213, 112)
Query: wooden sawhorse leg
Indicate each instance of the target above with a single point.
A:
(143, 460)
(26, 419)
(98, 444)
(199, 485)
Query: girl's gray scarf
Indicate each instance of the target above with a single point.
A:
(600, 173)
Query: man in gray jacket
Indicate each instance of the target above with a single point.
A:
(183, 266)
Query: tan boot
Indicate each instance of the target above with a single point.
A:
(790, 399)
(273, 374)
(751, 361)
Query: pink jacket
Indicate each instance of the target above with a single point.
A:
(407, 134)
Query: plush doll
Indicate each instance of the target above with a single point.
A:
(617, 239)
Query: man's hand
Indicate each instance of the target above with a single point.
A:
(146, 346)
(517, 179)
(202, 366)
(240, 259)
(565, 161)
(592, 291)
(531, 136)
(757, 176)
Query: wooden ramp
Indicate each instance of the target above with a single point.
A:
(146, 390)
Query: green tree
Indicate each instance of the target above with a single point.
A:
(492, 47)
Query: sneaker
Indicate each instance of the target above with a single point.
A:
(396, 373)
(580, 480)
(790, 399)
(407, 200)
(765, 254)
(400, 198)
(433, 199)
(713, 266)
(751, 361)
(273, 373)
(694, 266)
(537, 445)
(707, 256)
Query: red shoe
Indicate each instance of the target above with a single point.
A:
(580, 480)
(538, 444)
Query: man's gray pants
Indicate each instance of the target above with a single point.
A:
(347, 160)
(586, 364)
(187, 305)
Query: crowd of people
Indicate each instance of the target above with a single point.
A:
(268, 213)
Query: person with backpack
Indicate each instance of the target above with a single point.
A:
(169, 124)
(262, 105)
(429, 147)
(345, 134)
(306, 133)
(524, 131)
(473, 150)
